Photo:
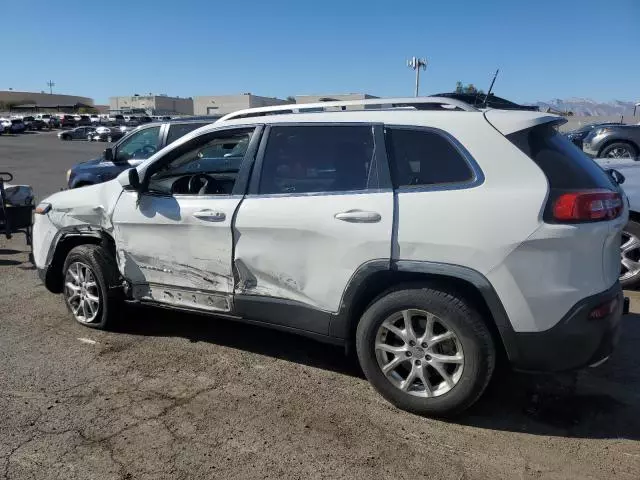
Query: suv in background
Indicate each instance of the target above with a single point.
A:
(578, 135)
(130, 151)
(613, 141)
(390, 230)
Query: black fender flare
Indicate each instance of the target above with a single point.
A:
(341, 324)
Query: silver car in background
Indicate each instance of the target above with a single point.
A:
(613, 141)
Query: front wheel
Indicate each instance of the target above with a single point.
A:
(426, 350)
(619, 150)
(90, 286)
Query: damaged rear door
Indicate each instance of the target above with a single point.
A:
(174, 241)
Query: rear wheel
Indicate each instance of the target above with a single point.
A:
(630, 255)
(619, 150)
(425, 350)
(90, 275)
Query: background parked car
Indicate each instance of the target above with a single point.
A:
(95, 119)
(79, 133)
(108, 134)
(5, 124)
(578, 135)
(68, 121)
(132, 150)
(28, 122)
(613, 141)
(50, 121)
(17, 125)
(33, 123)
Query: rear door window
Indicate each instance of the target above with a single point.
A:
(425, 157)
(566, 167)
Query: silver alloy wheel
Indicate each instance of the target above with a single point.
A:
(81, 292)
(419, 353)
(630, 256)
(619, 152)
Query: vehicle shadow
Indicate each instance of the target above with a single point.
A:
(602, 402)
(148, 321)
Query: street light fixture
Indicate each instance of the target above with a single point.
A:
(416, 64)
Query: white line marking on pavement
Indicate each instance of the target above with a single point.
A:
(87, 340)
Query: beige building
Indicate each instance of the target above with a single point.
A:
(223, 104)
(151, 105)
(340, 97)
(44, 100)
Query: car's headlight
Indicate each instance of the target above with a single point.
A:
(603, 130)
(68, 175)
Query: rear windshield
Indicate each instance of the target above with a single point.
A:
(566, 167)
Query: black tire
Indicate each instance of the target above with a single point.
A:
(465, 322)
(632, 150)
(632, 229)
(66, 137)
(107, 278)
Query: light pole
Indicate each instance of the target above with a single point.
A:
(417, 64)
(51, 84)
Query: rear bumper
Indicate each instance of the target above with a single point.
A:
(576, 341)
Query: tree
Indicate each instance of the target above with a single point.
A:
(291, 99)
(469, 88)
(87, 110)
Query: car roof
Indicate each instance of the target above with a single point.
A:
(506, 121)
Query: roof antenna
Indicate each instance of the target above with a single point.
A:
(486, 97)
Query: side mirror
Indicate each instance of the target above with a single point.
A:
(108, 154)
(616, 176)
(130, 180)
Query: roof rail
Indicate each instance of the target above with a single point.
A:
(415, 103)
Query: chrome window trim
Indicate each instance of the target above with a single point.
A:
(319, 194)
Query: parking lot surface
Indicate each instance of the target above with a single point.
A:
(173, 395)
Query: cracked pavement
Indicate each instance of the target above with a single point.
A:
(173, 395)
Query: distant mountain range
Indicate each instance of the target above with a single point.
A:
(587, 107)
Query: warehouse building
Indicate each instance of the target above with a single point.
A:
(151, 105)
(223, 104)
(34, 101)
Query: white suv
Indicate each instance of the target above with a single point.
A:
(436, 242)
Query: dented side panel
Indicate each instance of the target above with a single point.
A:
(294, 247)
(166, 241)
(90, 206)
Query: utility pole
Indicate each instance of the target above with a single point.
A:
(51, 84)
(416, 64)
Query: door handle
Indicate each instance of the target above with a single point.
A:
(210, 216)
(358, 216)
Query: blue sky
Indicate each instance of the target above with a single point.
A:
(544, 49)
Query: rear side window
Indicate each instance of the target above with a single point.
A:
(425, 157)
(566, 167)
(181, 129)
(301, 159)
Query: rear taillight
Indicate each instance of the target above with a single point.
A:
(587, 206)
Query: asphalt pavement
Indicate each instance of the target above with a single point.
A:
(172, 395)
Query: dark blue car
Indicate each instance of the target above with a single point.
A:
(132, 150)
